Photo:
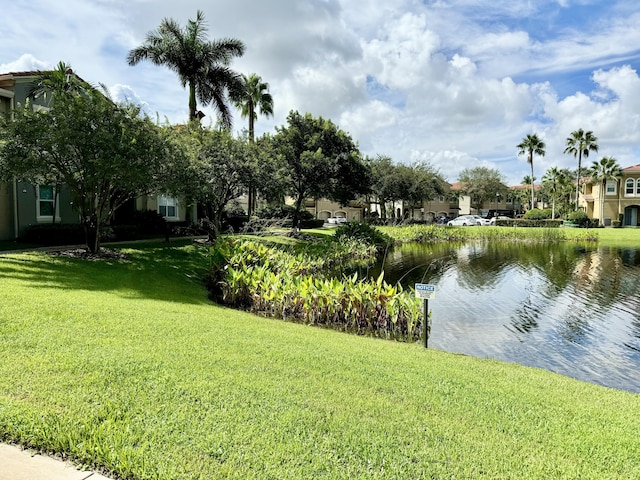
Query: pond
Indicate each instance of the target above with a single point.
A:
(568, 308)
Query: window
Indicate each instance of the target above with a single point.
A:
(638, 187)
(611, 187)
(441, 199)
(629, 186)
(168, 207)
(45, 202)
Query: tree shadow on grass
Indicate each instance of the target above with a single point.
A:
(167, 272)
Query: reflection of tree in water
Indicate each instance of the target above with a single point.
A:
(526, 316)
(486, 264)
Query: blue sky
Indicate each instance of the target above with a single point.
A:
(455, 83)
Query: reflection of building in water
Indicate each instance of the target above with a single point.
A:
(587, 270)
(601, 274)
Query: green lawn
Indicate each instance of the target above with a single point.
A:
(125, 366)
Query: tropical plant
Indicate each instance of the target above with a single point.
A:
(200, 64)
(606, 169)
(304, 288)
(531, 145)
(579, 144)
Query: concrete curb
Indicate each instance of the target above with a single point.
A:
(19, 464)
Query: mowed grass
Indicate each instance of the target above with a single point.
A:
(126, 367)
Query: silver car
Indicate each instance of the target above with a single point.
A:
(465, 220)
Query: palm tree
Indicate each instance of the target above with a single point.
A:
(201, 65)
(606, 169)
(527, 180)
(553, 180)
(59, 81)
(254, 98)
(531, 144)
(580, 143)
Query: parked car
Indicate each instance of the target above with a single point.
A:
(499, 217)
(337, 220)
(465, 220)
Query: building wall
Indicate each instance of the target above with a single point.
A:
(27, 208)
(323, 209)
(150, 202)
(616, 203)
(6, 212)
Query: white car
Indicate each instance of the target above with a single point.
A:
(337, 220)
(465, 220)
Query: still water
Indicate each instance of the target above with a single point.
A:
(567, 308)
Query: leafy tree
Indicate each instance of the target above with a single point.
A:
(317, 159)
(104, 153)
(412, 183)
(531, 145)
(606, 169)
(202, 65)
(579, 144)
(557, 185)
(482, 184)
(383, 180)
(213, 172)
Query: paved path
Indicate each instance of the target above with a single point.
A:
(18, 464)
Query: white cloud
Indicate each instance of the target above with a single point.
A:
(459, 83)
(26, 63)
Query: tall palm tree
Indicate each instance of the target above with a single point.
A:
(531, 144)
(606, 169)
(579, 144)
(254, 98)
(202, 65)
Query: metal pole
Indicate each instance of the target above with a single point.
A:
(425, 313)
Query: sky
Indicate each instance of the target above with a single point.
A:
(455, 83)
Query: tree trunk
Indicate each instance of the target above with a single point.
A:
(532, 182)
(296, 214)
(578, 179)
(92, 234)
(192, 101)
(383, 210)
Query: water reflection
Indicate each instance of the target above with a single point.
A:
(572, 309)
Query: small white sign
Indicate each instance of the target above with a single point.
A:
(425, 291)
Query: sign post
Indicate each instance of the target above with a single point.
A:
(426, 292)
